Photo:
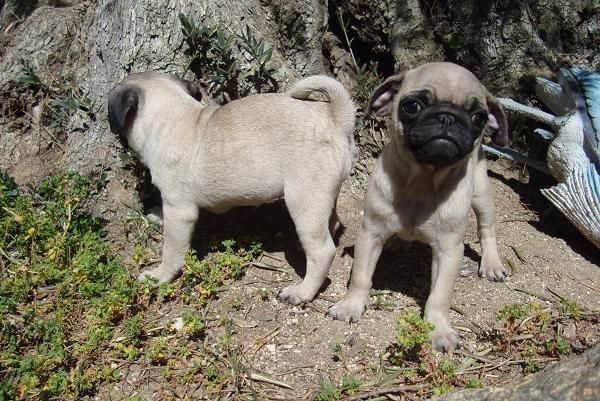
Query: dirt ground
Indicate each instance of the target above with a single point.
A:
(301, 345)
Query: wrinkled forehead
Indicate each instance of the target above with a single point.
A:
(147, 78)
(446, 82)
(153, 82)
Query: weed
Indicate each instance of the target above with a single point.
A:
(558, 346)
(569, 308)
(237, 304)
(58, 99)
(337, 352)
(156, 350)
(213, 53)
(327, 391)
(475, 383)
(370, 132)
(205, 276)
(441, 390)
(512, 313)
(412, 338)
(531, 367)
(367, 76)
(194, 324)
(261, 76)
(350, 385)
(55, 265)
(590, 7)
(534, 333)
(133, 331)
(447, 366)
(68, 304)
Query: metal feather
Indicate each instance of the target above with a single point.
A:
(573, 156)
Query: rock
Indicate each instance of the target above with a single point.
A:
(575, 379)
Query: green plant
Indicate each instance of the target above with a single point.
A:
(213, 53)
(558, 346)
(512, 313)
(156, 350)
(68, 305)
(367, 77)
(337, 352)
(475, 383)
(327, 391)
(194, 324)
(412, 338)
(531, 367)
(350, 385)
(441, 390)
(57, 98)
(51, 250)
(261, 76)
(205, 276)
(447, 366)
(590, 7)
(569, 308)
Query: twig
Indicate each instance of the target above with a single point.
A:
(271, 256)
(519, 254)
(309, 365)
(457, 310)
(261, 342)
(265, 266)
(533, 294)
(512, 264)
(516, 219)
(397, 389)
(260, 378)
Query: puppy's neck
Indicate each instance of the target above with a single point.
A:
(409, 174)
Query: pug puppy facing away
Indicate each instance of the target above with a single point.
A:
(297, 145)
(426, 181)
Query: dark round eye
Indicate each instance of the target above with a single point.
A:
(411, 107)
(479, 119)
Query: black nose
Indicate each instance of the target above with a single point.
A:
(446, 119)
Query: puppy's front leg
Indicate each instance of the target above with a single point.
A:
(367, 250)
(447, 255)
(178, 225)
(483, 205)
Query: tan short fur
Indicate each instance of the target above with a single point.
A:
(247, 152)
(424, 202)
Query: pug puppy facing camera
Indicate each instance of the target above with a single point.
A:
(425, 182)
(297, 145)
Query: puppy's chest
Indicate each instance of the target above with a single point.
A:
(421, 214)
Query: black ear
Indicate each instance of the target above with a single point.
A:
(382, 98)
(122, 105)
(193, 90)
(497, 127)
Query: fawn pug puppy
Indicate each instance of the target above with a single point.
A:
(297, 145)
(427, 179)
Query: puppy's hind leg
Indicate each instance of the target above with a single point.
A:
(483, 205)
(312, 220)
(178, 225)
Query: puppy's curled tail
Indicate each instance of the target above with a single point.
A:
(342, 107)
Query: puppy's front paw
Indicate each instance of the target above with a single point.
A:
(347, 310)
(157, 276)
(493, 269)
(295, 295)
(444, 340)
(155, 216)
